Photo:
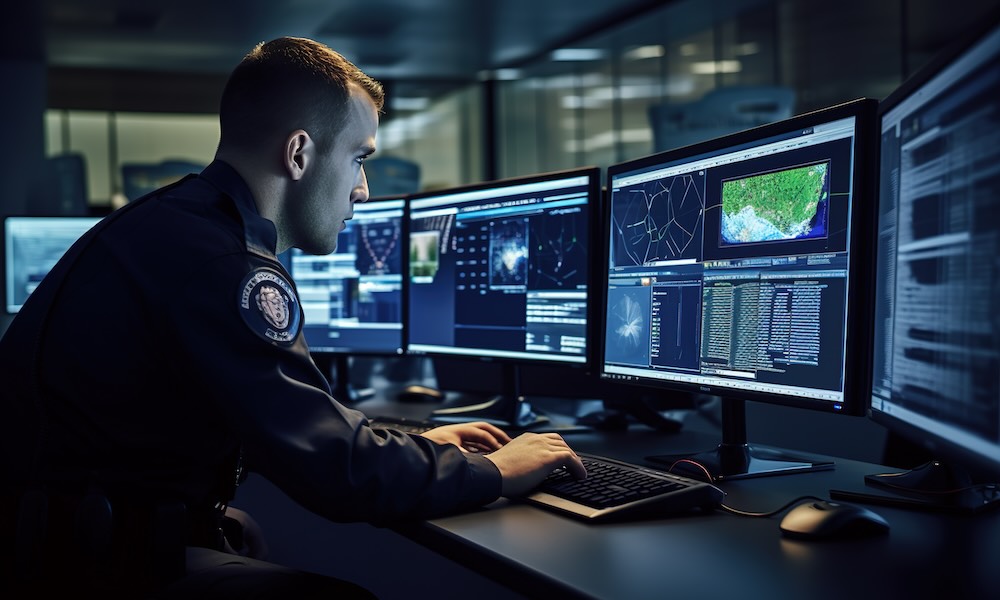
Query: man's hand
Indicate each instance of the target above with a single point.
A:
(530, 457)
(471, 437)
(253, 544)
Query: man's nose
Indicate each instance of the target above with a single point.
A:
(360, 193)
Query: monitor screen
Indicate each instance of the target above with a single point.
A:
(32, 245)
(738, 267)
(503, 271)
(936, 343)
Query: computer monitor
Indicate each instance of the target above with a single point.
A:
(936, 343)
(352, 299)
(502, 271)
(32, 246)
(739, 267)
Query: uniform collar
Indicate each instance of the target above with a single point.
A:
(259, 233)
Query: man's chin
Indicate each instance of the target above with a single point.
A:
(320, 250)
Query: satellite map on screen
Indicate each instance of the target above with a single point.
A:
(788, 204)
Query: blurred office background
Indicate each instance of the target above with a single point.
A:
(476, 90)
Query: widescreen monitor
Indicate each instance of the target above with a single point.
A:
(352, 299)
(936, 343)
(739, 267)
(502, 271)
(32, 246)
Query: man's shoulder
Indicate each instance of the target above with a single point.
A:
(189, 217)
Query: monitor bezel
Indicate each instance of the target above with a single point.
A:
(593, 173)
(5, 240)
(936, 443)
(861, 273)
(404, 266)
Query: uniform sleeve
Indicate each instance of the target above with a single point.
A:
(319, 452)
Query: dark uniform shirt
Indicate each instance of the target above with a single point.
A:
(168, 339)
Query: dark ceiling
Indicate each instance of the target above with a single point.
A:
(389, 39)
(174, 55)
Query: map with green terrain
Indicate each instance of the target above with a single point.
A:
(784, 204)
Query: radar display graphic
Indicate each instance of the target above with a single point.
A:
(628, 326)
(659, 220)
(509, 253)
(789, 204)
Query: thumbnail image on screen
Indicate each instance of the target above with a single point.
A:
(352, 298)
(32, 246)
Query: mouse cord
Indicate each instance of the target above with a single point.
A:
(743, 513)
(736, 511)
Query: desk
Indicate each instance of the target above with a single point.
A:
(718, 555)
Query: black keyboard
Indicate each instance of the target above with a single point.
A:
(615, 490)
(402, 424)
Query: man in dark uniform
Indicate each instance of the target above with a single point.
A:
(163, 355)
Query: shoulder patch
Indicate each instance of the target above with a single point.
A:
(269, 307)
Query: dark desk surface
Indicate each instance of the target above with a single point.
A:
(719, 555)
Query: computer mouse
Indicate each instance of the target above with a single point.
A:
(822, 519)
(420, 393)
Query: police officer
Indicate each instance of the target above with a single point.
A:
(163, 356)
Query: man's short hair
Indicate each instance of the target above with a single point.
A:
(287, 84)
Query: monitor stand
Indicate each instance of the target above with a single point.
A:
(734, 458)
(507, 409)
(337, 369)
(936, 486)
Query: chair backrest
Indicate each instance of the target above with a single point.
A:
(392, 176)
(139, 179)
(62, 188)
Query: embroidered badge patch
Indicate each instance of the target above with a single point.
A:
(269, 306)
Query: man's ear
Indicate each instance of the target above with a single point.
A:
(299, 153)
